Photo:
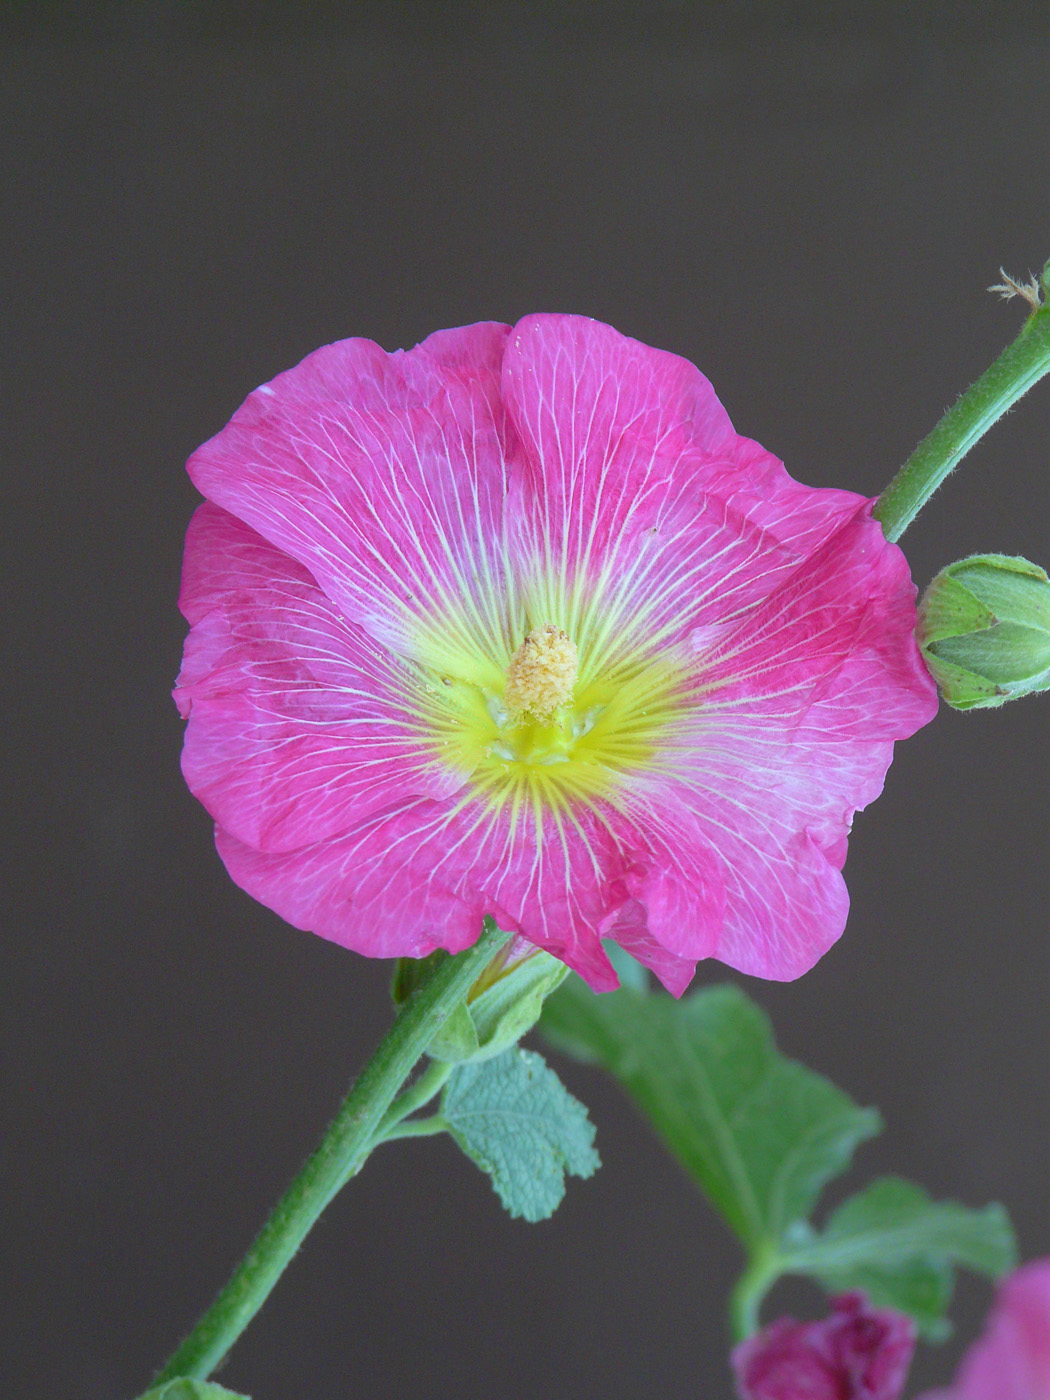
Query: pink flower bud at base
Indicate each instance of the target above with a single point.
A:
(857, 1353)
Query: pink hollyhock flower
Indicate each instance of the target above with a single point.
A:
(858, 1353)
(514, 623)
(1011, 1361)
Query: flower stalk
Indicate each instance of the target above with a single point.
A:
(1021, 365)
(361, 1124)
(763, 1270)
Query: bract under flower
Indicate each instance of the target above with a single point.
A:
(722, 657)
(1011, 1360)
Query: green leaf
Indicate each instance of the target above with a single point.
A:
(760, 1133)
(900, 1247)
(922, 1289)
(183, 1389)
(629, 970)
(513, 1117)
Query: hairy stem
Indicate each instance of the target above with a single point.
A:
(754, 1283)
(343, 1149)
(429, 1083)
(1022, 364)
(418, 1127)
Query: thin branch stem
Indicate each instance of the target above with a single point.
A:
(340, 1154)
(416, 1096)
(418, 1127)
(754, 1283)
(1022, 364)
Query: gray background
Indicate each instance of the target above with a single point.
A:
(806, 201)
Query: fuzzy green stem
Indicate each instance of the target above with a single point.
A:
(341, 1152)
(754, 1283)
(429, 1083)
(1022, 364)
(418, 1127)
(416, 1096)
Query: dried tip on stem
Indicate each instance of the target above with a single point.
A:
(1009, 287)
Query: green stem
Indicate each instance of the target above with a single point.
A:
(419, 1127)
(340, 1154)
(429, 1083)
(754, 1283)
(1022, 364)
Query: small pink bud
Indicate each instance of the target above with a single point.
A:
(858, 1353)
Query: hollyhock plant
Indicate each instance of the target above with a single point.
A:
(1011, 1361)
(516, 625)
(856, 1353)
(509, 644)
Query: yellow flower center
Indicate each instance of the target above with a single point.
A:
(541, 674)
(553, 725)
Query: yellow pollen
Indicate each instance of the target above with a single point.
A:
(541, 674)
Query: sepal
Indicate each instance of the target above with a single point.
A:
(502, 1005)
(984, 630)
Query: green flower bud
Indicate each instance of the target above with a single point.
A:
(984, 630)
(502, 1005)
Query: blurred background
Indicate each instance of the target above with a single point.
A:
(807, 200)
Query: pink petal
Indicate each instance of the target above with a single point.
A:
(425, 875)
(434, 504)
(631, 932)
(384, 475)
(1011, 1360)
(633, 485)
(852, 594)
(791, 734)
(300, 724)
(367, 890)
